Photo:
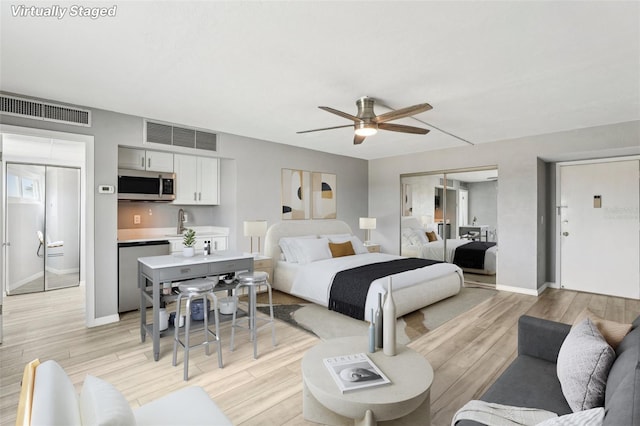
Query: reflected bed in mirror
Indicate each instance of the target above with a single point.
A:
(452, 217)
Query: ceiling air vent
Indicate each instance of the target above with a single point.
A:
(46, 111)
(185, 137)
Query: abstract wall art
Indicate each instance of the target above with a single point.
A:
(296, 194)
(323, 189)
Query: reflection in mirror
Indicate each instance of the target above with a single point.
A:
(453, 217)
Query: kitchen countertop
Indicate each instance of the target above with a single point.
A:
(156, 234)
(171, 260)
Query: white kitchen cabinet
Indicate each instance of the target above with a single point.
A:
(142, 159)
(197, 180)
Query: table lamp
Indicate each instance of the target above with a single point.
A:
(255, 228)
(368, 223)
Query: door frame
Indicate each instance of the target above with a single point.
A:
(87, 242)
(556, 214)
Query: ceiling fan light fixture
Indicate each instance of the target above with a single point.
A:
(366, 129)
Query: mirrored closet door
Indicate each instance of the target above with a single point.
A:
(42, 224)
(441, 212)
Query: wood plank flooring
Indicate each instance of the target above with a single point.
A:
(467, 354)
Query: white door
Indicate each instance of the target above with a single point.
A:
(599, 228)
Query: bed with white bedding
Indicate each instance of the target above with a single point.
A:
(311, 278)
(415, 244)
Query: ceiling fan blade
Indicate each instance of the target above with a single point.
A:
(402, 128)
(402, 112)
(357, 140)
(325, 128)
(341, 114)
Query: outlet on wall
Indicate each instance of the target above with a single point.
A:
(136, 219)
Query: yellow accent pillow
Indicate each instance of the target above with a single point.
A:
(431, 236)
(341, 249)
(613, 332)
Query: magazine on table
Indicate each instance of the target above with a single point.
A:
(355, 371)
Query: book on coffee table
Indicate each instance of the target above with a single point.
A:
(355, 371)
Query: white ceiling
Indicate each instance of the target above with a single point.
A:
(491, 70)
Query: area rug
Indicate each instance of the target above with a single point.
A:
(328, 324)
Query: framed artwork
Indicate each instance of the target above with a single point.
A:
(296, 194)
(323, 189)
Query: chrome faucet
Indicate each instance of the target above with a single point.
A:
(180, 221)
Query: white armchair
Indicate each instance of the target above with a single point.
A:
(49, 398)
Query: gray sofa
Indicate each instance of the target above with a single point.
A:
(531, 379)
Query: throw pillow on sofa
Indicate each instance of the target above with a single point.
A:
(584, 361)
(613, 332)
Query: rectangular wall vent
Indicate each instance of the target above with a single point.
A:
(180, 136)
(46, 111)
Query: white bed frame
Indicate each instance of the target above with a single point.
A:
(406, 299)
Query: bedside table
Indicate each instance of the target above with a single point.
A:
(264, 264)
(373, 248)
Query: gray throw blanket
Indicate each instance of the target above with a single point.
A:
(492, 414)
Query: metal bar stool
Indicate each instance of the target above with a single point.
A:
(253, 280)
(193, 290)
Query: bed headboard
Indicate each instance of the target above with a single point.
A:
(295, 228)
(410, 222)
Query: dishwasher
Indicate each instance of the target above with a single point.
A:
(128, 254)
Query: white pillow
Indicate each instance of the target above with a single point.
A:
(101, 404)
(337, 238)
(311, 250)
(289, 249)
(583, 365)
(421, 235)
(358, 245)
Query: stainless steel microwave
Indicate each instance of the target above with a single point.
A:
(146, 186)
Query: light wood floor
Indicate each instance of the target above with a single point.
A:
(467, 354)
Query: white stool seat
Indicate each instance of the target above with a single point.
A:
(253, 280)
(195, 286)
(193, 290)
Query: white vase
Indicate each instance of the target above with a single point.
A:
(389, 323)
(188, 251)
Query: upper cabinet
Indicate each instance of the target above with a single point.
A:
(141, 159)
(197, 180)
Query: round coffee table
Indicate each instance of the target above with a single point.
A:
(406, 398)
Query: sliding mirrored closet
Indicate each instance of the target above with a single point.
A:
(443, 212)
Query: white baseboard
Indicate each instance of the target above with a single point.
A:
(521, 290)
(109, 319)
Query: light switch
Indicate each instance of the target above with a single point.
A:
(597, 201)
(136, 219)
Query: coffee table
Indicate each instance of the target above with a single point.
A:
(405, 401)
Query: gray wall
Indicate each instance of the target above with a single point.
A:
(250, 186)
(519, 203)
(483, 205)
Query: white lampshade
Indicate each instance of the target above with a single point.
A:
(255, 228)
(367, 223)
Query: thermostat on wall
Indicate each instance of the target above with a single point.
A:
(106, 189)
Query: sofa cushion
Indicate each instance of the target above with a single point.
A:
(54, 398)
(623, 384)
(101, 404)
(584, 361)
(529, 382)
